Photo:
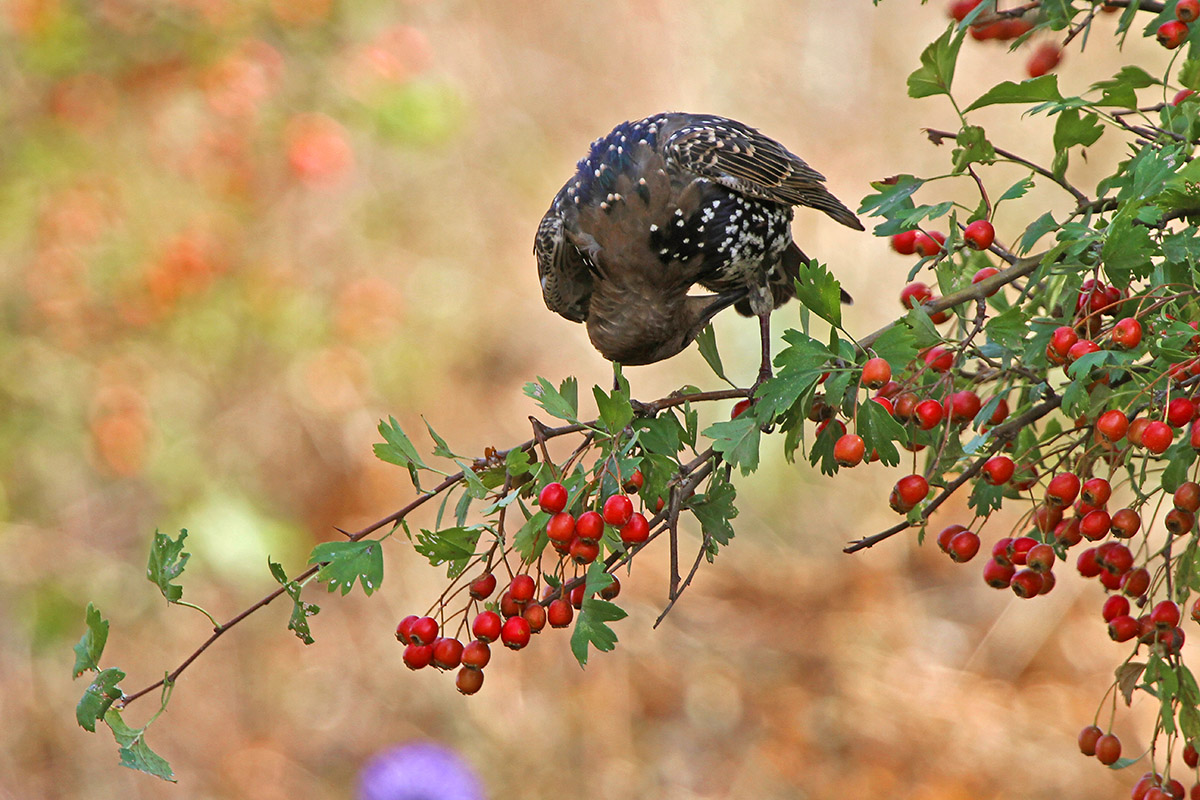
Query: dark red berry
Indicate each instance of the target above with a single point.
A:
(476, 654)
(1027, 583)
(964, 546)
(1172, 33)
(997, 575)
(559, 613)
(553, 498)
(535, 615)
(483, 586)
(1063, 489)
(469, 680)
(1115, 606)
(561, 528)
(447, 653)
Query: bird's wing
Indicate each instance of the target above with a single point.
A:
(565, 277)
(735, 155)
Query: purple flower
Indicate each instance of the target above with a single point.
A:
(421, 771)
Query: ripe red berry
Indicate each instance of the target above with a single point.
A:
(1040, 558)
(553, 498)
(469, 680)
(906, 405)
(559, 613)
(1179, 522)
(476, 654)
(486, 627)
(929, 244)
(1125, 523)
(612, 590)
(740, 407)
(905, 243)
(983, 274)
(1187, 10)
(1137, 427)
(1067, 533)
(939, 359)
(636, 531)
(576, 596)
(1080, 349)
(998, 470)
(418, 656)
(1087, 564)
(617, 510)
(1062, 489)
(483, 586)
(404, 629)
(447, 653)
(535, 615)
(509, 607)
(589, 526)
(960, 8)
(1180, 412)
(423, 631)
(1157, 437)
(929, 414)
(1115, 606)
(1127, 333)
(909, 490)
(561, 527)
(876, 372)
(522, 588)
(1044, 59)
(1088, 738)
(1165, 614)
(1122, 628)
(515, 633)
(948, 533)
(582, 552)
(1047, 517)
(1112, 425)
(915, 294)
(1061, 342)
(964, 406)
(1187, 497)
(1108, 749)
(634, 482)
(1095, 491)
(1114, 556)
(1020, 548)
(963, 546)
(1180, 96)
(1135, 582)
(997, 575)
(1027, 583)
(979, 235)
(1190, 756)
(1172, 33)
(848, 450)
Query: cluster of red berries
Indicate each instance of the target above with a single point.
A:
(579, 538)
(1173, 33)
(1106, 747)
(1006, 28)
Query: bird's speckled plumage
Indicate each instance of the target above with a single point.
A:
(662, 204)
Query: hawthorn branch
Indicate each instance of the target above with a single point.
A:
(936, 136)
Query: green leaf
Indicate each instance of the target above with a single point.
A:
(822, 449)
(475, 487)
(1017, 190)
(936, 72)
(985, 498)
(1008, 329)
(454, 546)
(301, 611)
(891, 196)
(134, 751)
(737, 441)
(167, 561)
(100, 694)
(924, 331)
(1126, 252)
(1120, 89)
(1180, 457)
(1071, 129)
(1034, 90)
(715, 509)
(591, 626)
(973, 147)
(441, 448)
(1182, 190)
(879, 431)
(615, 409)
(897, 345)
(820, 292)
(396, 448)
(91, 645)
(518, 463)
(346, 562)
(1189, 74)
(662, 434)
(707, 342)
(1189, 722)
(562, 402)
(531, 539)
(1036, 230)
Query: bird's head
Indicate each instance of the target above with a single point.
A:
(634, 330)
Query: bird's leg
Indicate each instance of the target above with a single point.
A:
(764, 325)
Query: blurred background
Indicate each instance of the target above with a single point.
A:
(234, 234)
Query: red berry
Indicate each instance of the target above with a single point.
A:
(1122, 628)
(617, 510)
(1114, 556)
(915, 294)
(1062, 489)
(447, 653)
(1044, 59)
(636, 531)
(997, 575)
(582, 552)
(948, 533)
(1180, 96)
(418, 656)
(509, 607)
(1095, 491)
(612, 590)
(876, 372)
(559, 613)
(929, 244)
(553, 498)
(906, 405)
(848, 450)
(1108, 749)
(740, 407)
(886, 403)
(1112, 425)
(964, 406)
(1087, 564)
(1187, 497)
(1080, 349)
(1172, 33)
(983, 274)
(1180, 412)
(1165, 614)
(1135, 582)
(909, 490)
(1088, 738)
(1157, 437)
(1000, 413)
(979, 235)
(1020, 549)
(561, 528)
(486, 627)
(998, 470)
(1061, 342)
(1047, 517)
(1190, 756)
(1002, 551)
(522, 588)
(1040, 558)
(515, 633)
(535, 615)
(905, 243)
(939, 359)
(404, 629)
(634, 483)
(469, 680)
(1027, 583)
(963, 546)
(589, 526)
(476, 654)
(483, 586)
(1125, 523)
(1137, 427)
(929, 414)
(576, 596)
(1187, 10)
(1127, 333)
(1067, 532)
(1115, 606)
(960, 8)
(424, 631)
(1179, 522)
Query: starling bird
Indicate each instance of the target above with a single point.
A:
(662, 204)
